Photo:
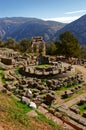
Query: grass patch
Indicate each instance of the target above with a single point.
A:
(2, 77)
(67, 87)
(18, 113)
(17, 72)
(82, 107)
(2, 68)
(43, 66)
(19, 104)
(13, 114)
(13, 111)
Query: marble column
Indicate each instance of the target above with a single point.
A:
(43, 49)
(37, 49)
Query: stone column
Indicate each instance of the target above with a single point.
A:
(32, 47)
(65, 69)
(43, 49)
(37, 49)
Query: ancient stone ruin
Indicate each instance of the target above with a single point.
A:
(38, 41)
(44, 83)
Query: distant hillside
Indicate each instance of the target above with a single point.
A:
(78, 28)
(20, 27)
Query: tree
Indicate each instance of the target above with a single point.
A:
(58, 47)
(83, 52)
(10, 43)
(51, 48)
(24, 45)
(69, 45)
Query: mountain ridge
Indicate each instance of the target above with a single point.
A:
(23, 27)
(77, 27)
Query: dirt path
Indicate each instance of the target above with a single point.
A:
(81, 69)
(73, 101)
(1, 128)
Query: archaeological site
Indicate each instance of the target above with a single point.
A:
(51, 85)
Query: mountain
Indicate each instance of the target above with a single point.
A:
(20, 27)
(78, 28)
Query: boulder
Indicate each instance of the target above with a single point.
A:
(75, 109)
(32, 114)
(49, 98)
(84, 114)
(33, 105)
(6, 61)
(25, 100)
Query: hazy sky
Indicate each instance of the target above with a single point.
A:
(58, 10)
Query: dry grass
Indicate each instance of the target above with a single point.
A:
(13, 116)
